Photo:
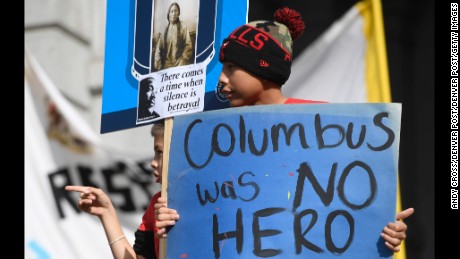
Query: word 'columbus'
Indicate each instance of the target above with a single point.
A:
(247, 139)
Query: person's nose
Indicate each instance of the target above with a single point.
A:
(223, 82)
(154, 166)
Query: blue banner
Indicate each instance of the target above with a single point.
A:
(284, 181)
(136, 30)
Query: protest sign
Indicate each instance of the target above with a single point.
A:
(136, 31)
(284, 181)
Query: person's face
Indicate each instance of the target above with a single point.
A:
(150, 95)
(157, 161)
(240, 87)
(173, 14)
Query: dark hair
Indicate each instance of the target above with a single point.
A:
(145, 83)
(169, 9)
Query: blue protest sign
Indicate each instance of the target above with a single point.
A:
(136, 33)
(284, 181)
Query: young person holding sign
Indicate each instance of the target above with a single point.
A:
(256, 60)
(96, 202)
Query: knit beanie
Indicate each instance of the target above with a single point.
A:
(264, 48)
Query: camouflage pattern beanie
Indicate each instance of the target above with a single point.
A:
(264, 48)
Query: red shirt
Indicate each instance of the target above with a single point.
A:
(147, 227)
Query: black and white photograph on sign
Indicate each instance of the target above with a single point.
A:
(146, 100)
(174, 34)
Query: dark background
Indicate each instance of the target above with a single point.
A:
(410, 38)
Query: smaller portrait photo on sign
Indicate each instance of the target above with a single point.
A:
(147, 110)
(174, 34)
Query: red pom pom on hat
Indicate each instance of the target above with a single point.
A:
(292, 19)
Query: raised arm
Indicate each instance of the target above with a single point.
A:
(96, 202)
